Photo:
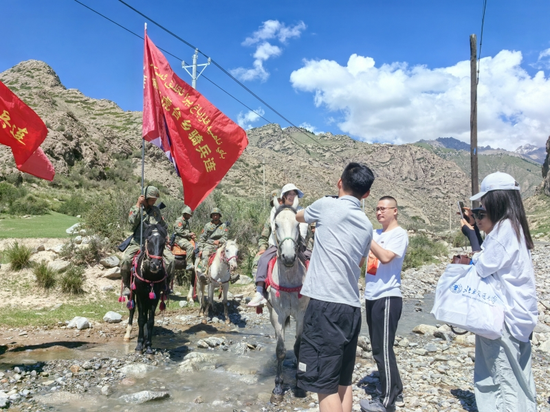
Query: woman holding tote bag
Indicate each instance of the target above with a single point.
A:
(503, 379)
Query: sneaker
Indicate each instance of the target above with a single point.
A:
(257, 300)
(126, 291)
(374, 406)
(399, 401)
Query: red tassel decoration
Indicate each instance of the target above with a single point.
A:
(122, 299)
(152, 295)
(133, 286)
(259, 310)
(130, 304)
(162, 306)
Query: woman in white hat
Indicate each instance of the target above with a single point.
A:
(289, 192)
(503, 379)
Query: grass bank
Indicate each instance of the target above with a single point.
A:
(51, 225)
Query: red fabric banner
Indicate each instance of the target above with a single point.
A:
(199, 140)
(24, 131)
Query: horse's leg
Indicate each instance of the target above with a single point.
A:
(225, 310)
(128, 334)
(210, 300)
(191, 279)
(141, 323)
(150, 324)
(278, 321)
(201, 298)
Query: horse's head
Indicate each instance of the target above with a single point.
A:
(287, 234)
(155, 241)
(231, 250)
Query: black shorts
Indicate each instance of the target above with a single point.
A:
(329, 343)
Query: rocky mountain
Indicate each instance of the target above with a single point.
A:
(94, 134)
(545, 186)
(538, 154)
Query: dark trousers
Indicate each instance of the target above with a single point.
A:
(382, 318)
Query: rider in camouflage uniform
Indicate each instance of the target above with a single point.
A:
(212, 236)
(184, 235)
(151, 215)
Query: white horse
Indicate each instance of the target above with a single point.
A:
(284, 295)
(218, 275)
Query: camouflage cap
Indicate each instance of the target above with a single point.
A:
(151, 192)
(216, 210)
(187, 210)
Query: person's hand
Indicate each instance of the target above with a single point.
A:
(216, 242)
(371, 255)
(464, 222)
(140, 201)
(260, 252)
(193, 236)
(469, 216)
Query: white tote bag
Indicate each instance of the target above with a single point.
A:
(465, 300)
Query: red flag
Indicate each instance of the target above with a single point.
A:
(24, 131)
(199, 140)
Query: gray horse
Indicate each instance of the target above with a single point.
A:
(284, 295)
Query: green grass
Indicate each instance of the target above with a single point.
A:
(52, 225)
(17, 316)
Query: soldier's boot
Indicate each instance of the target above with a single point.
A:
(125, 280)
(189, 257)
(201, 268)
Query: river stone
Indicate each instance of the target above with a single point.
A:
(137, 370)
(542, 328)
(144, 396)
(73, 229)
(424, 329)
(78, 240)
(4, 401)
(244, 280)
(59, 265)
(112, 317)
(545, 347)
(113, 274)
(110, 262)
(183, 303)
(197, 361)
(79, 322)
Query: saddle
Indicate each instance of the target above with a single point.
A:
(178, 251)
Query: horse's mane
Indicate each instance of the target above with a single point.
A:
(283, 207)
(156, 226)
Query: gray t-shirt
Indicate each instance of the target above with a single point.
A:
(342, 238)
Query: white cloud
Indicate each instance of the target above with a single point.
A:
(401, 104)
(543, 62)
(245, 120)
(270, 30)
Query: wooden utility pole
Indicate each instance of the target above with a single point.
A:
(473, 116)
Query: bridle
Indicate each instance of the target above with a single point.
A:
(279, 243)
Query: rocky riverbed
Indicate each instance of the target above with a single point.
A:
(205, 367)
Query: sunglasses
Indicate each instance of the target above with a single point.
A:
(479, 216)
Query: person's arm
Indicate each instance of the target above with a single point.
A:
(384, 255)
(471, 234)
(300, 216)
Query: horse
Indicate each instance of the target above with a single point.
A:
(219, 275)
(181, 274)
(284, 298)
(148, 284)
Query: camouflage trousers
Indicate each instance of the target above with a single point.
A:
(207, 251)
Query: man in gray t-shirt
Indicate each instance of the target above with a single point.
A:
(332, 321)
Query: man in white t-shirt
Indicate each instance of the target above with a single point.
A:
(383, 303)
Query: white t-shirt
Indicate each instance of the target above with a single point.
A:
(509, 261)
(387, 281)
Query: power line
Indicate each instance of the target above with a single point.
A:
(481, 38)
(219, 67)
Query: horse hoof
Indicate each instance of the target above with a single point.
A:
(276, 399)
(149, 351)
(299, 393)
(126, 339)
(204, 322)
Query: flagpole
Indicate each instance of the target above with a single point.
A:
(142, 179)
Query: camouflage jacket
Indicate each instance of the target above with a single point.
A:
(263, 241)
(212, 232)
(182, 228)
(151, 215)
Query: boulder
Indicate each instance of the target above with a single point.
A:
(113, 274)
(112, 317)
(144, 396)
(110, 262)
(79, 322)
(59, 265)
(73, 229)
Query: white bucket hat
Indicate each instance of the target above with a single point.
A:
(290, 186)
(496, 181)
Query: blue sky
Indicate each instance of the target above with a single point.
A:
(386, 71)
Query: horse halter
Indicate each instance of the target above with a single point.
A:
(155, 233)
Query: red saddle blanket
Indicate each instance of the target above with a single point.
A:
(269, 281)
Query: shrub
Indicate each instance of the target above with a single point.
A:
(108, 214)
(45, 277)
(72, 280)
(74, 206)
(18, 256)
(9, 194)
(90, 253)
(421, 251)
(29, 205)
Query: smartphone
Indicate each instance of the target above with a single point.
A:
(461, 209)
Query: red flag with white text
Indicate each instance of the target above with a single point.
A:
(199, 140)
(24, 131)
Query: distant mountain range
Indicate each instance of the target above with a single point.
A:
(528, 151)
